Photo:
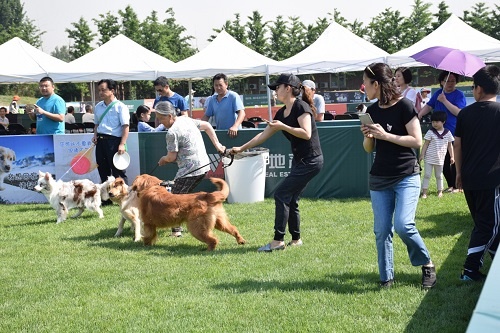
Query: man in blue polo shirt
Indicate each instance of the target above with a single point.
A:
(162, 87)
(225, 106)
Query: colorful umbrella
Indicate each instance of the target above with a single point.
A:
(449, 59)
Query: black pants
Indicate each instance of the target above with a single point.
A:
(185, 185)
(449, 171)
(287, 196)
(106, 148)
(484, 207)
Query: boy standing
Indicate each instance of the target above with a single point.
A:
(477, 152)
(437, 141)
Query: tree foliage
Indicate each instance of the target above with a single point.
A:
(278, 39)
(15, 23)
(108, 27)
(62, 53)
(82, 36)
(257, 32)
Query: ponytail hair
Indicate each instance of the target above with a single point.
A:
(141, 109)
(308, 97)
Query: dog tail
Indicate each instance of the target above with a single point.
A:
(222, 190)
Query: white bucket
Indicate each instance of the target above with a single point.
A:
(246, 177)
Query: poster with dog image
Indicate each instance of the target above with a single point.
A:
(21, 157)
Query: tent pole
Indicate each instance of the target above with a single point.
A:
(190, 99)
(269, 110)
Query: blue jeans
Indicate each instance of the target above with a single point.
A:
(398, 202)
(287, 196)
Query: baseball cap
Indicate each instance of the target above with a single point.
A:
(424, 89)
(309, 83)
(288, 79)
(15, 98)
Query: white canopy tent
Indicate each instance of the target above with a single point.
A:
(453, 33)
(223, 55)
(336, 50)
(22, 63)
(119, 59)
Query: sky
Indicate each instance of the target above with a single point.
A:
(199, 17)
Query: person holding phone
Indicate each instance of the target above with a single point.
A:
(395, 173)
(49, 110)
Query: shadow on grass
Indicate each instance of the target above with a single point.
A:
(346, 283)
(53, 220)
(449, 305)
(105, 239)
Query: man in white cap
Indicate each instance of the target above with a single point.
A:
(319, 101)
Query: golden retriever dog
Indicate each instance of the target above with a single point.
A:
(201, 211)
(126, 197)
(7, 157)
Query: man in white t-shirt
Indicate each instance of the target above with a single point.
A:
(88, 116)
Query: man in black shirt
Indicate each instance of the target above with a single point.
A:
(477, 158)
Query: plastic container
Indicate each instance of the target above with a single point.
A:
(246, 177)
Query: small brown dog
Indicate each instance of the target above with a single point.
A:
(126, 197)
(202, 211)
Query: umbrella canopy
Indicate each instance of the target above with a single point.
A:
(449, 59)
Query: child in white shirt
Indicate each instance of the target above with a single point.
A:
(438, 140)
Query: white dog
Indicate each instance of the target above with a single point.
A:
(7, 156)
(64, 196)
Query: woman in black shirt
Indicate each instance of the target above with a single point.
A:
(296, 121)
(395, 174)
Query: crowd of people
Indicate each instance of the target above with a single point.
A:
(463, 144)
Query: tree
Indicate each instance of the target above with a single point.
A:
(15, 23)
(177, 47)
(358, 28)
(479, 18)
(442, 15)
(385, 30)
(495, 23)
(256, 33)
(130, 24)
(277, 46)
(418, 25)
(62, 53)
(338, 18)
(295, 36)
(314, 31)
(234, 28)
(108, 27)
(82, 36)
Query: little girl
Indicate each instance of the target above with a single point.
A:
(437, 140)
(143, 114)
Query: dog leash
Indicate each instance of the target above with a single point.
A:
(226, 153)
(78, 160)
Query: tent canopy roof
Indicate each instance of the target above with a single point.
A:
(120, 59)
(223, 55)
(453, 33)
(23, 63)
(336, 50)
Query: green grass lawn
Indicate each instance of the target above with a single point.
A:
(76, 277)
(5, 100)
